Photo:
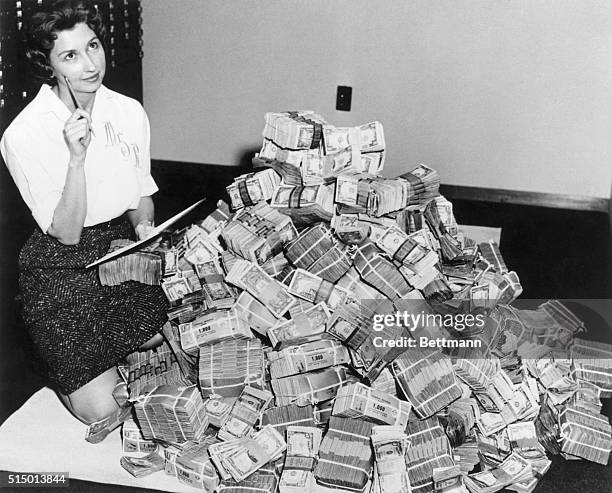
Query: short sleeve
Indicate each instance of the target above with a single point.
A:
(35, 184)
(145, 180)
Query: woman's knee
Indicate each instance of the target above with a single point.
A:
(94, 401)
(92, 411)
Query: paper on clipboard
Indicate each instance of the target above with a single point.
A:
(154, 232)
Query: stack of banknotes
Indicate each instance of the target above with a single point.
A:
(299, 353)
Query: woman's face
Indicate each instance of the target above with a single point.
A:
(78, 54)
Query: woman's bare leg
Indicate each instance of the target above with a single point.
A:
(94, 401)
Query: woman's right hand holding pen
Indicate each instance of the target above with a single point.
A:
(77, 135)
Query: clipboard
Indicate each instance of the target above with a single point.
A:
(154, 233)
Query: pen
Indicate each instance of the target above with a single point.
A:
(75, 101)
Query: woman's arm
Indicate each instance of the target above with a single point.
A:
(142, 218)
(69, 215)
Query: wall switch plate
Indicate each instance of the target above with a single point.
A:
(343, 98)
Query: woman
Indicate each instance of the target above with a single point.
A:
(85, 175)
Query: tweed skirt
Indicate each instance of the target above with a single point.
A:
(79, 327)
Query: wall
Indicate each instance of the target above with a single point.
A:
(492, 93)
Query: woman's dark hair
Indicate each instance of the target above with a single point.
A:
(44, 26)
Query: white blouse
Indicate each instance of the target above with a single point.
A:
(117, 165)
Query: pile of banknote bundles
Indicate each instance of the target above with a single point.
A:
(318, 338)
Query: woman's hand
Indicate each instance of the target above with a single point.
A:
(77, 135)
(144, 229)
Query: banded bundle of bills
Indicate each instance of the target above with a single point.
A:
(218, 410)
(427, 379)
(554, 374)
(466, 456)
(380, 272)
(524, 403)
(385, 382)
(585, 434)
(538, 469)
(323, 412)
(350, 229)
(592, 362)
(294, 129)
(306, 204)
(172, 414)
(498, 391)
(200, 247)
(283, 416)
(216, 219)
(98, 431)
(227, 367)
(437, 291)
(368, 138)
(187, 363)
(512, 470)
(502, 330)
(493, 449)
(217, 292)
(181, 285)
(302, 449)
(279, 159)
(352, 281)
(270, 292)
(148, 369)
(439, 215)
(448, 479)
(212, 327)
(258, 233)
(194, 466)
(501, 288)
(253, 187)
(345, 455)
(144, 266)
(333, 264)
(263, 481)
(309, 246)
(352, 324)
(492, 257)
(317, 168)
(245, 413)
(563, 316)
(170, 454)
(390, 444)
(275, 265)
(429, 449)
(315, 289)
(462, 416)
(356, 400)
(524, 441)
(241, 457)
(305, 325)
(142, 466)
(315, 355)
(374, 195)
(407, 251)
(255, 313)
(308, 388)
(424, 184)
(133, 440)
(475, 370)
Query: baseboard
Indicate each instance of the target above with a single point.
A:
(498, 195)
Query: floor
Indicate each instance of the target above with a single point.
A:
(557, 254)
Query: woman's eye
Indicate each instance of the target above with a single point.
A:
(69, 56)
(94, 45)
